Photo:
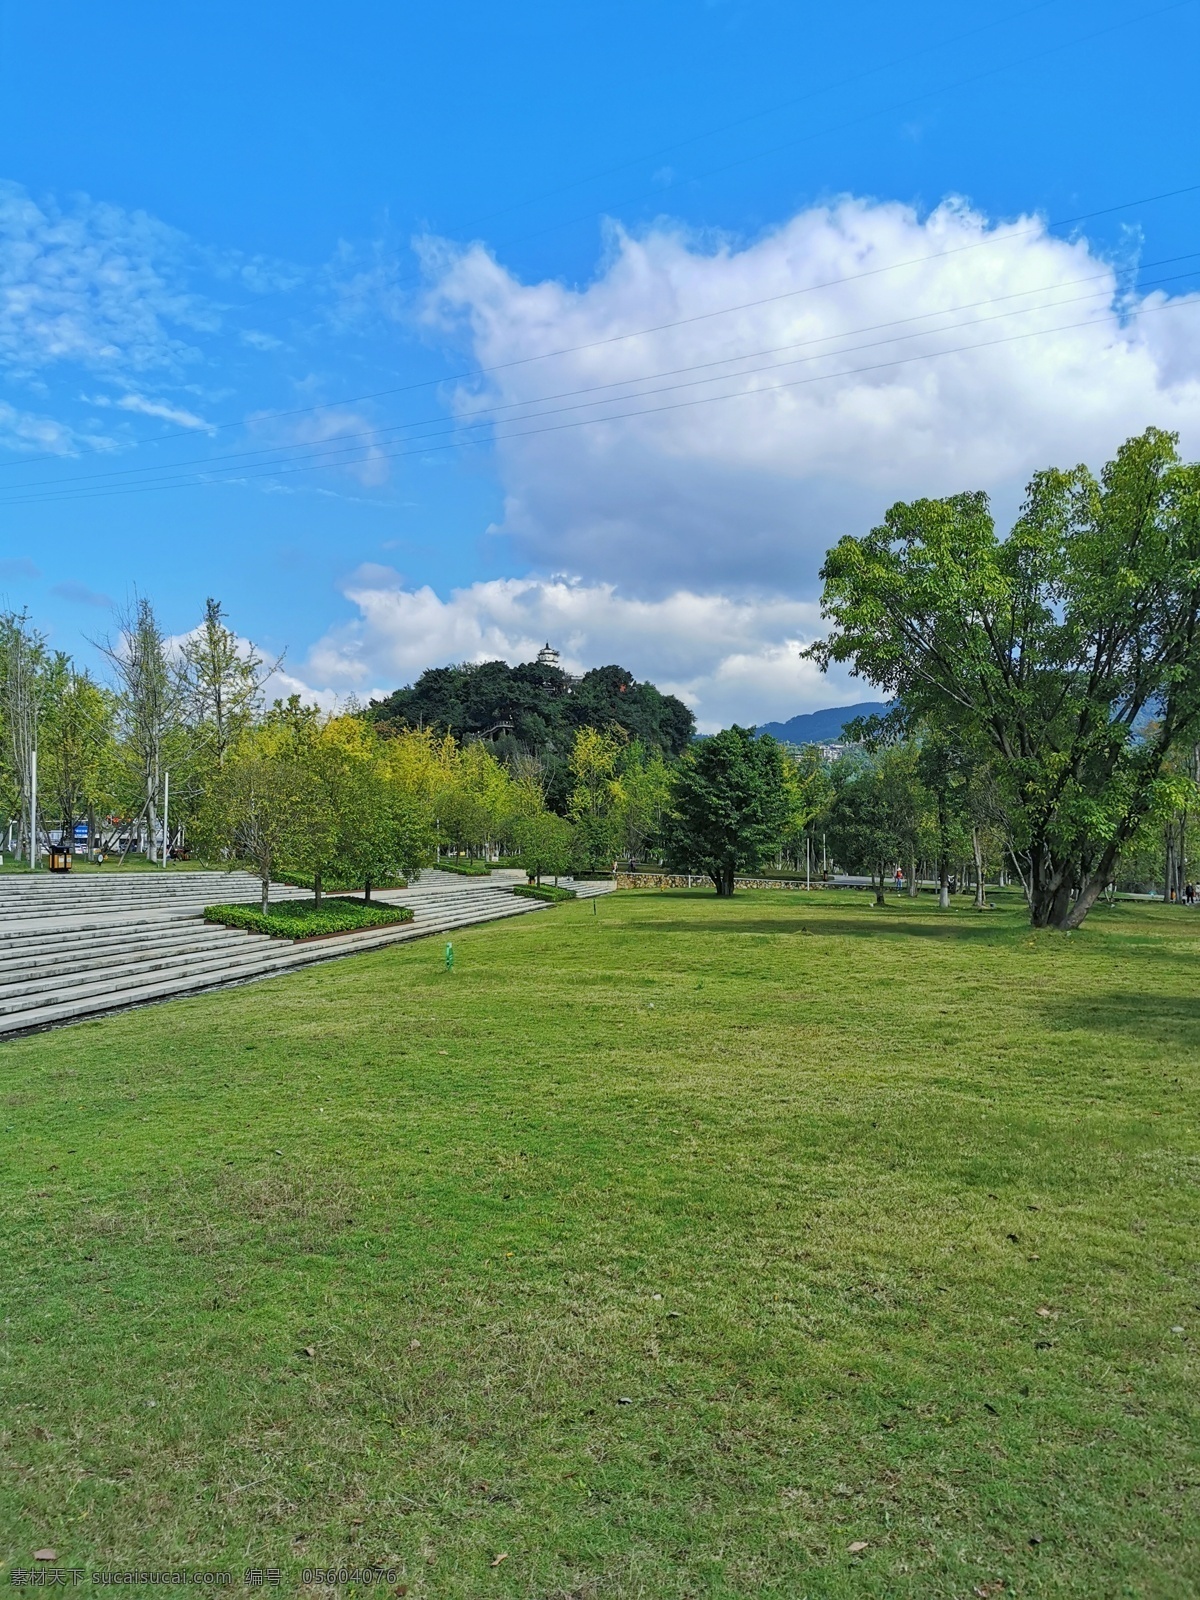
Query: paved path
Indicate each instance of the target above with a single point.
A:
(71, 947)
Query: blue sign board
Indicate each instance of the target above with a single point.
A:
(81, 831)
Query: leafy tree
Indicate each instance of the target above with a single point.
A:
(809, 791)
(151, 702)
(1048, 649)
(871, 813)
(463, 819)
(729, 806)
(544, 844)
(79, 745)
(23, 694)
(268, 805)
(379, 832)
(645, 795)
(221, 680)
(384, 835)
(535, 708)
(597, 793)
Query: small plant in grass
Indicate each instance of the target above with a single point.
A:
(304, 919)
(543, 891)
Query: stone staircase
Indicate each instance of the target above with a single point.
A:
(71, 947)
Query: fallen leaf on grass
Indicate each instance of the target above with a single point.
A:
(45, 1555)
(308, 1351)
(1044, 1311)
(857, 1547)
(503, 1556)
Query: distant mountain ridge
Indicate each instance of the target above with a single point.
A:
(821, 727)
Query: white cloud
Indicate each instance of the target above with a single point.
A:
(750, 491)
(146, 407)
(93, 285)
(26, 432)
(729, 659)
(350, 439)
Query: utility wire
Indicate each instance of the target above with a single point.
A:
(324, 450)
(429, 449)
(995, 237)
(900, 105)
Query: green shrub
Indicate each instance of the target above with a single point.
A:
(466, 869)
(303, 919)
(331, 885)
(542, 891)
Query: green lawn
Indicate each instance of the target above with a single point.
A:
(666, 1248)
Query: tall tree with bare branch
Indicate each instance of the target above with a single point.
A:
(23, 682)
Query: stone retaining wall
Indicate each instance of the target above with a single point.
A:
(699, 880)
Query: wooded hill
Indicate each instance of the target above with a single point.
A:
(536, 708)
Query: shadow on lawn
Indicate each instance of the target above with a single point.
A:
(1156, 1016)
(989, 926)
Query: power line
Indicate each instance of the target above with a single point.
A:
(333, 448)
(429, 449)
(995, 237)
(1174, 5)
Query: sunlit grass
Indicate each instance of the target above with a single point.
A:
(668, 1247)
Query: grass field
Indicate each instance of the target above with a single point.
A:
(666, 1248)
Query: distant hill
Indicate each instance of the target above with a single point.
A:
(535, 708)
(821, 727)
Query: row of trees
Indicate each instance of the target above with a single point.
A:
(1045, 717)
(178, 751)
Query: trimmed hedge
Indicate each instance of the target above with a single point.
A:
(302, 919)
(465, 869)
(335, 885)
(542, 891)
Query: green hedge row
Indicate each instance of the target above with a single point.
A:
(302, 919)
(304, 880)
(466, 869)
(542, 891)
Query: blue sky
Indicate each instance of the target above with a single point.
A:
(251, 257)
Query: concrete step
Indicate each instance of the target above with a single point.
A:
(89, 962)
(131, 950)
(111, 986)
(73, 955)
(259, 964)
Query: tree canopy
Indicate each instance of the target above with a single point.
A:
(730, 805)
(1067, 650)
(536, 707)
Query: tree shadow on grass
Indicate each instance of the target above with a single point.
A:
(819, 925)
(1156, 1016)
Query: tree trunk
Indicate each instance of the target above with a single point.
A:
(367, 890)
(879, 897)
(317, 889)
(266, 891)
(912, 878)
(723, 878)
(977, 849)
